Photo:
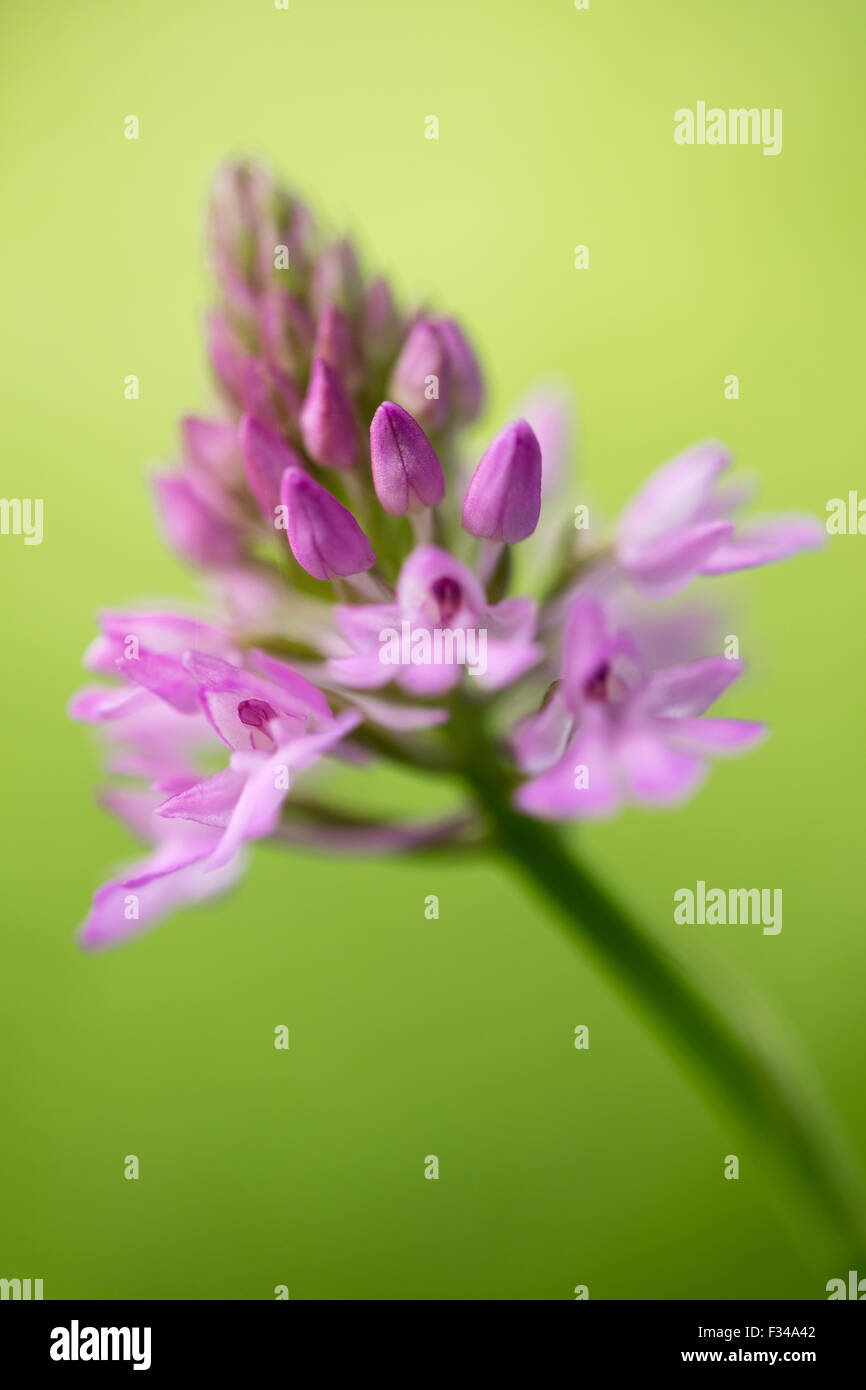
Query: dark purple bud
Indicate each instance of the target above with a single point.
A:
(503, 500)
(325, 538)
(327, 419)
(465, 374)
(407, 474)
(420, 380)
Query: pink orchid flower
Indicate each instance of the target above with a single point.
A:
(679, 526)
(435, 591)
(612, 733)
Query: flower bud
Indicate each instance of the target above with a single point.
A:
(335, 343)
(191, 526)
(226, 355)
(325, 538)
(266, 458)
(381, 322)
(407, 474)
(336, 278)
(269, 394)
(286, 330)
(467, 388)
(327, 419)
(503, 499)
(420, 380)
(239, 214)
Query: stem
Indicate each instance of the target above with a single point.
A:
(743, 1062)
(416, 752)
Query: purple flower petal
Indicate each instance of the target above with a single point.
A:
(325, 538)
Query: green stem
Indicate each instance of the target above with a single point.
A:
(743, 1062)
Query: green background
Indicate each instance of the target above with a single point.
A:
(410, 1037)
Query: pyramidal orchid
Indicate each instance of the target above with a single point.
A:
(362, 608)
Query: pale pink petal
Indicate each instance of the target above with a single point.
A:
(766, 543)
(257, 810)
(163, 676)
(428, 679)
(362, 671)
(210, 802)
(688, 690)
(96, 703)
(652, 769)
(581, 786)
(303, 694)
(507, 662)
(584, 645)
(664, 566)
(716, 736)
(540, 739)
(361, 624)
(673, 497)
(121, 911)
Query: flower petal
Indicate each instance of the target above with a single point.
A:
(673, 497)
(766, 543)
(581, 786)
(655, 771)
(719, 737)
(687, 690)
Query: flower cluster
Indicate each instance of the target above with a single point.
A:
(350, 547)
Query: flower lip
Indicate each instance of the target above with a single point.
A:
(595, 687)
(256, 714)
(448, 595)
